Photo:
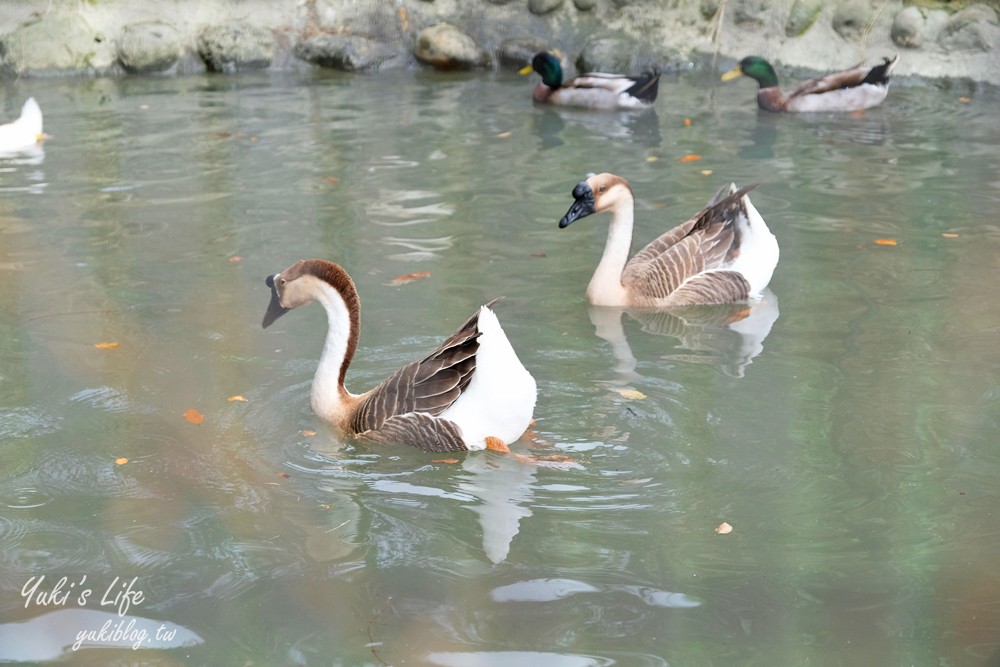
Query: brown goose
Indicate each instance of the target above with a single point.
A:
(725, 253)
(851, 90)
(471, 393)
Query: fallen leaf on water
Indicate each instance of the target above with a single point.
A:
(504, 135)
(885, 241)
(333, 180)
(224, 134)
(631, 394)
(723, 529)
(253, 139)
(706, 172)
(445, 461)
(687, 122)
(950, 235)
(194, 416)
(121, 460)
(964, 100)
(691, 157)
(283, 475)
(652, 158)
(233, 399)
(307, 432)
(235, 259)
(410, 277)
(143, 107)
(538, 254)
(105, 346)
(325, 507)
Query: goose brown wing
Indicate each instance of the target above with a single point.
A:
(702, 243)
(429, 385)
(418, 430)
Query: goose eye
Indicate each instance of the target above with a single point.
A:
(282, 282)
(603, 188)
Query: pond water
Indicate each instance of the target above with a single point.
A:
(849, 437)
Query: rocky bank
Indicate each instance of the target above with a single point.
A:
(945, 42)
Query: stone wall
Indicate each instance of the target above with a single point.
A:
(120, 37)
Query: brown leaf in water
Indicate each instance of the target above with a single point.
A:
(224, 134)
(106, 346)
(283, 475)
(233, 399)
(538, 254)
(950, 235)
(235, 259)
(885, 241)
(445, 461)
(687, 122)
(307, 432)
(194, 416)
(691, 157)
(409, 277)
(504, 135)
(631, 394)
(964, 100)
(723, 529)
(332, 180)
(325, 507)
(121, 460)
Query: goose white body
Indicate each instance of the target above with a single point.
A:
(25, 132)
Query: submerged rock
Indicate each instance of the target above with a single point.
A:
(237, 47)
(148, 47)
(446, 47)
(350, 53)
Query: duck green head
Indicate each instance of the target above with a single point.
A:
(548, 66)
(757, 69)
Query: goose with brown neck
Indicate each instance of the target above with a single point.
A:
(471, 393)
(724, 254)
(850, 90)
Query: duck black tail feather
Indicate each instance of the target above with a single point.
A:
(880, 73)
(646, 87)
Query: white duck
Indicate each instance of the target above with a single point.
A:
(471, 393)
(724, 254)
(25, 132)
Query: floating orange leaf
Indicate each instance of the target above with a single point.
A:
(690, 157)
(410, 277)
(885, 241)
(504, 135)
(964, 100)
(233, 399)
(631, 394)
(283, 475)
(325, 507)
(194, 416)
(706, 172)
(723, 529)
(121, 460)
(235, 259)
(105, 346)
(307, 432)
(333, 180)
(538, 253)
(445, 461)
(652, 158)
(687, 122)
(950, 235)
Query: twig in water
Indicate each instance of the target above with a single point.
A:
(368, 630)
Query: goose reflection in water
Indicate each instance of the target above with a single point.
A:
(727, 336)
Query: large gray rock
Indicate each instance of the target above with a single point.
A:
(544, 6)
(350, 53)
(850, 18)
(802, 16)
(148, 47)
(58, 42)
(750, 13)
(971, 29)
(518, 51)
(908, 28)
(236, 47)
(446, 47)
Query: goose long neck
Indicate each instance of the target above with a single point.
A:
(343, 314)
(606, 286)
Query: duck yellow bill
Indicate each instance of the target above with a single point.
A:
(732, 74)
(525, 70)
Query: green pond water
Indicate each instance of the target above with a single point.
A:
(846, 427)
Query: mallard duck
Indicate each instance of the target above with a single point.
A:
(851, 90)
(471, 393)
(724, 254)
(25, 132)
(594, 90)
